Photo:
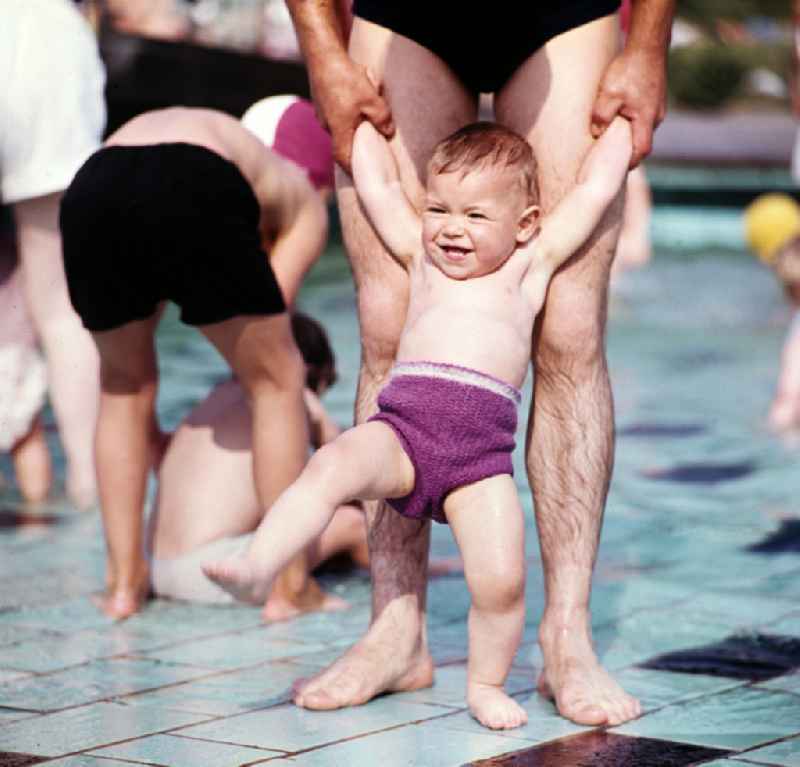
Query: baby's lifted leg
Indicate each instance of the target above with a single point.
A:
(488, 525)
(367, 462)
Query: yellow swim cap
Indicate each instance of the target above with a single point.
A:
(770, 221)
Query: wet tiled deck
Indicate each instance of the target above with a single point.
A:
(699, 487)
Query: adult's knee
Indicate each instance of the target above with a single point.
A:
(571, 341)
(381, 314)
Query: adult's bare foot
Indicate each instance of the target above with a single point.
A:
(582, 690)
(493, 708)
(391, 657)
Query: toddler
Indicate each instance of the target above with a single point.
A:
(479, 260)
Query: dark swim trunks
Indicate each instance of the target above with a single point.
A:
(483, 46)
(145, 224)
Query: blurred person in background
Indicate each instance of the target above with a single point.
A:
(52, 114)
(772, 230)
(23, 383)
(561, 79)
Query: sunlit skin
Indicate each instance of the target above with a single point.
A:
(470, 226)
(479, 264)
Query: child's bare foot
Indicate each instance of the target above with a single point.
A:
(493, 708)
(239, 578)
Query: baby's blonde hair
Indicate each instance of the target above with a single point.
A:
(486, 145)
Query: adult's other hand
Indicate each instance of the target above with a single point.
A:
(634, 86)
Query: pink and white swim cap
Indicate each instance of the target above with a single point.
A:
(288, 125)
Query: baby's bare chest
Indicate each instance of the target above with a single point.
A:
(499, 296)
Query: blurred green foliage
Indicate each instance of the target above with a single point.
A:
(705, 12)
(704, 75)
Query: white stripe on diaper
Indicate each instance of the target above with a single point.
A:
(459, 375)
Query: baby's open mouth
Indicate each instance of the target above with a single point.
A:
(454, 250)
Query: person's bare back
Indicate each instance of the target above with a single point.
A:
(222, 134)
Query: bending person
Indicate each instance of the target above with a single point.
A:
(187, 528)
(561, 80)
(189, 202)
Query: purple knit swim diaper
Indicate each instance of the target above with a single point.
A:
(457, 426)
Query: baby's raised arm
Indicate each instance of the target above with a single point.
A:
(577, 215)
(377, 183)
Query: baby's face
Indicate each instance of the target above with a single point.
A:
(470, 223)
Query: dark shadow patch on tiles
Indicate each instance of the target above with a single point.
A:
(10, 759)
(11, 518)
(702, 473)
(785, 539)
(755, 657)
(598, 748)
(661, 430)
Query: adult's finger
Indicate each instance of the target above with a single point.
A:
(343, 148)
(606, 108)
(642, 136)
(378, 113)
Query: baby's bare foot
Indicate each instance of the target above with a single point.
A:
(239, 578)
(493, 708)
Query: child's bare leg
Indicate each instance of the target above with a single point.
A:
(32, 464)
(367, 461)
(488, 525)
(346, 534)
(126, 442)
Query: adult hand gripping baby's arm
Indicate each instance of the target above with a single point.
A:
(343, 93)
(634, 84)
(577, 215)
(377, 182)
